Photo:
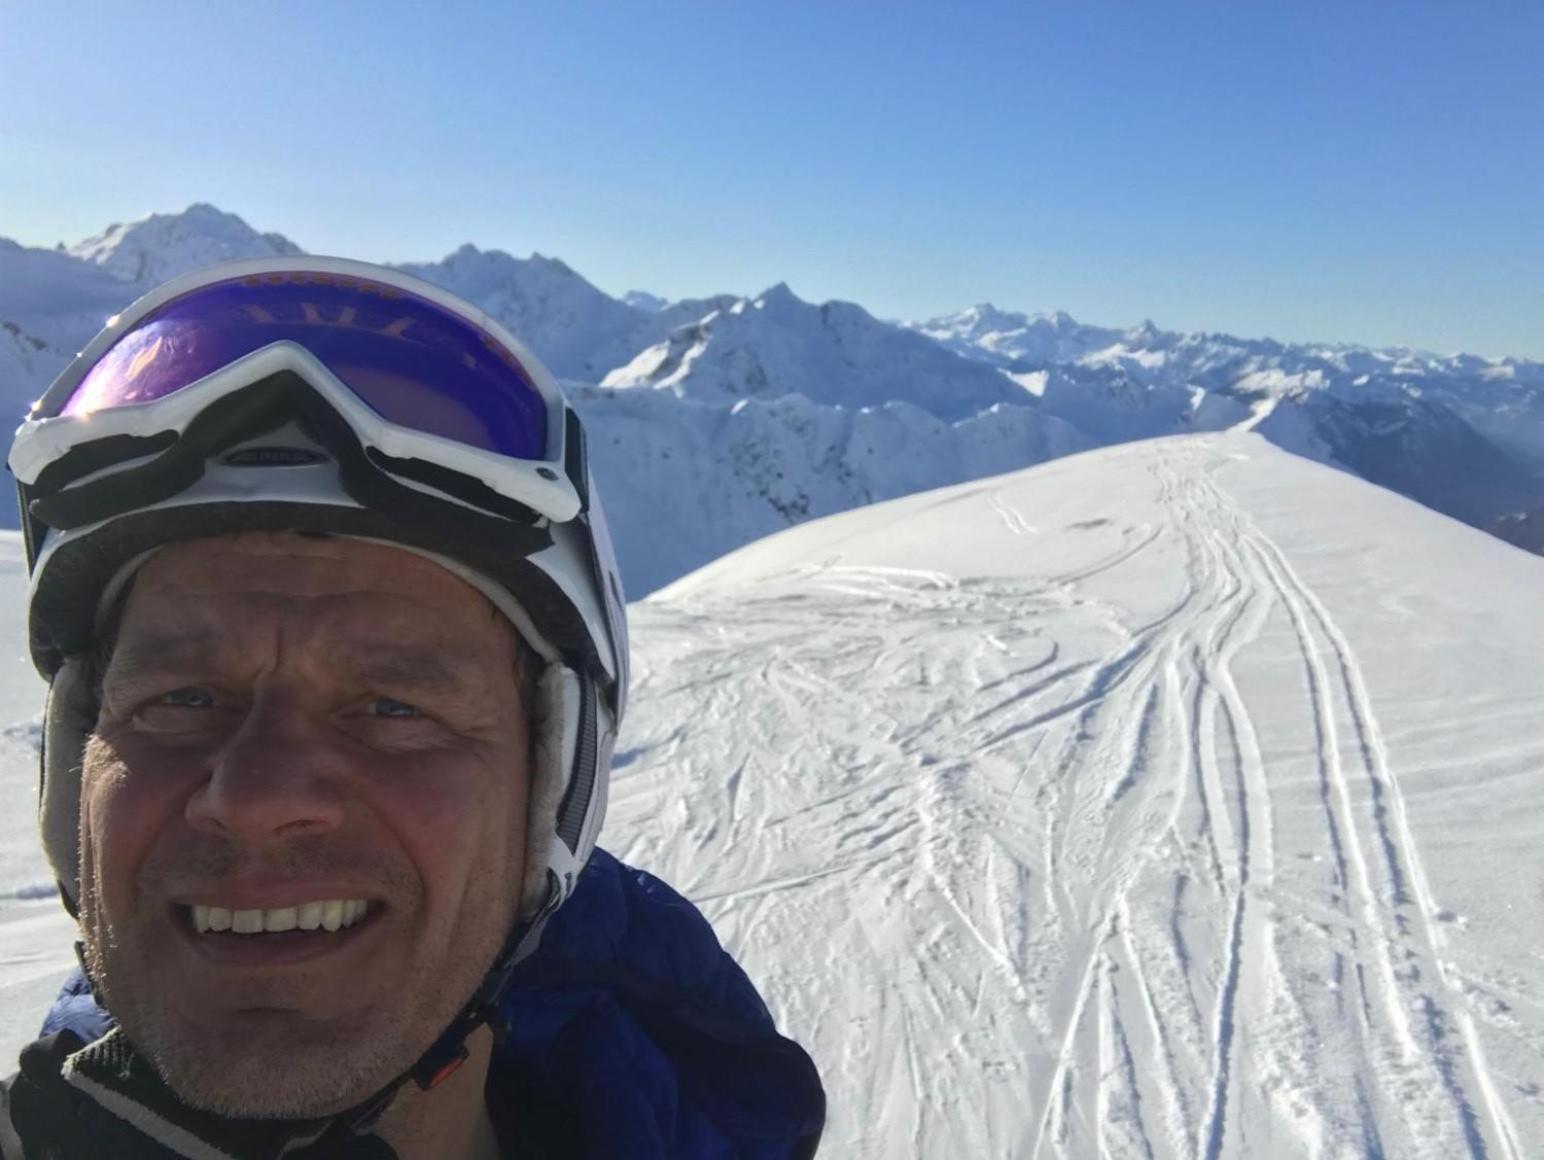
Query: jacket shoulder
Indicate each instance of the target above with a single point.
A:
(631, 1012)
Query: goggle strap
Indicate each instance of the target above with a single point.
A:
(93, 455)
(453, 483)
(241, 415)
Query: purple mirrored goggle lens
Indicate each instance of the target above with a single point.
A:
(415, 363)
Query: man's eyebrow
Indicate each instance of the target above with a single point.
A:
(155, 652)
(403, 665)
(399, 664)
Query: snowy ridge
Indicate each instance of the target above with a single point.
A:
(848, 408)
(1006, 338)
(1014, 339)
(1502, 398)
(577, 330)
(1144, 804)
(836, 354)
(1462, 434)
(643, 300)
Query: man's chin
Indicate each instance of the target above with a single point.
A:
(269, 1076)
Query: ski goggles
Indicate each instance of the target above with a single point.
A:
(424, 383)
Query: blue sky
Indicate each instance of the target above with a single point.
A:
(1350, 171)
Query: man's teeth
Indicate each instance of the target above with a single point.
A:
(333, 915)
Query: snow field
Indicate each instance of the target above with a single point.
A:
(1059, 814)
(36, 936)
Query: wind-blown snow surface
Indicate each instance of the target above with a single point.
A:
(1175, 799)
(1168, 800)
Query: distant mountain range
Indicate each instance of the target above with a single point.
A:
(723, 419)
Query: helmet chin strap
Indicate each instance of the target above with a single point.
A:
(447, 1053)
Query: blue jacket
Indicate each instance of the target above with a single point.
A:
(631, 1016)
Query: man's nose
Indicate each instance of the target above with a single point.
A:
(277, 776)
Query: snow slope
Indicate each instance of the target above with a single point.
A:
(35, 934)
(1160, 801)
(684, 481)
(1168, 800)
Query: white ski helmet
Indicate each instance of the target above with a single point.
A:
(328, 396)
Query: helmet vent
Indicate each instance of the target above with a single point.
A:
(274, 457)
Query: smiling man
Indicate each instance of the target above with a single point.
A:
(322, 743)
(337, 656)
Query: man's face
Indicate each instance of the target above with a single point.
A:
(289, 723)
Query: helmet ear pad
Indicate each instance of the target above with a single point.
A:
(574, 735)
(566, 782)
(69, 716)
(555, 735)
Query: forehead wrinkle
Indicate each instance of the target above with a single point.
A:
(290, 563)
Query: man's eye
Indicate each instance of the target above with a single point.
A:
(189, 698)
(387, 707)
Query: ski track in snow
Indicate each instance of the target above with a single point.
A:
(1061, 848)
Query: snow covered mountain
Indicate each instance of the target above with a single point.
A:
(685, 481)
(53, 301)
(578, 331)
(836, 354)
(161, 246)
(643, 300)
(1462, 434)
(739, 416)
(783, 410)
(1008, 339)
